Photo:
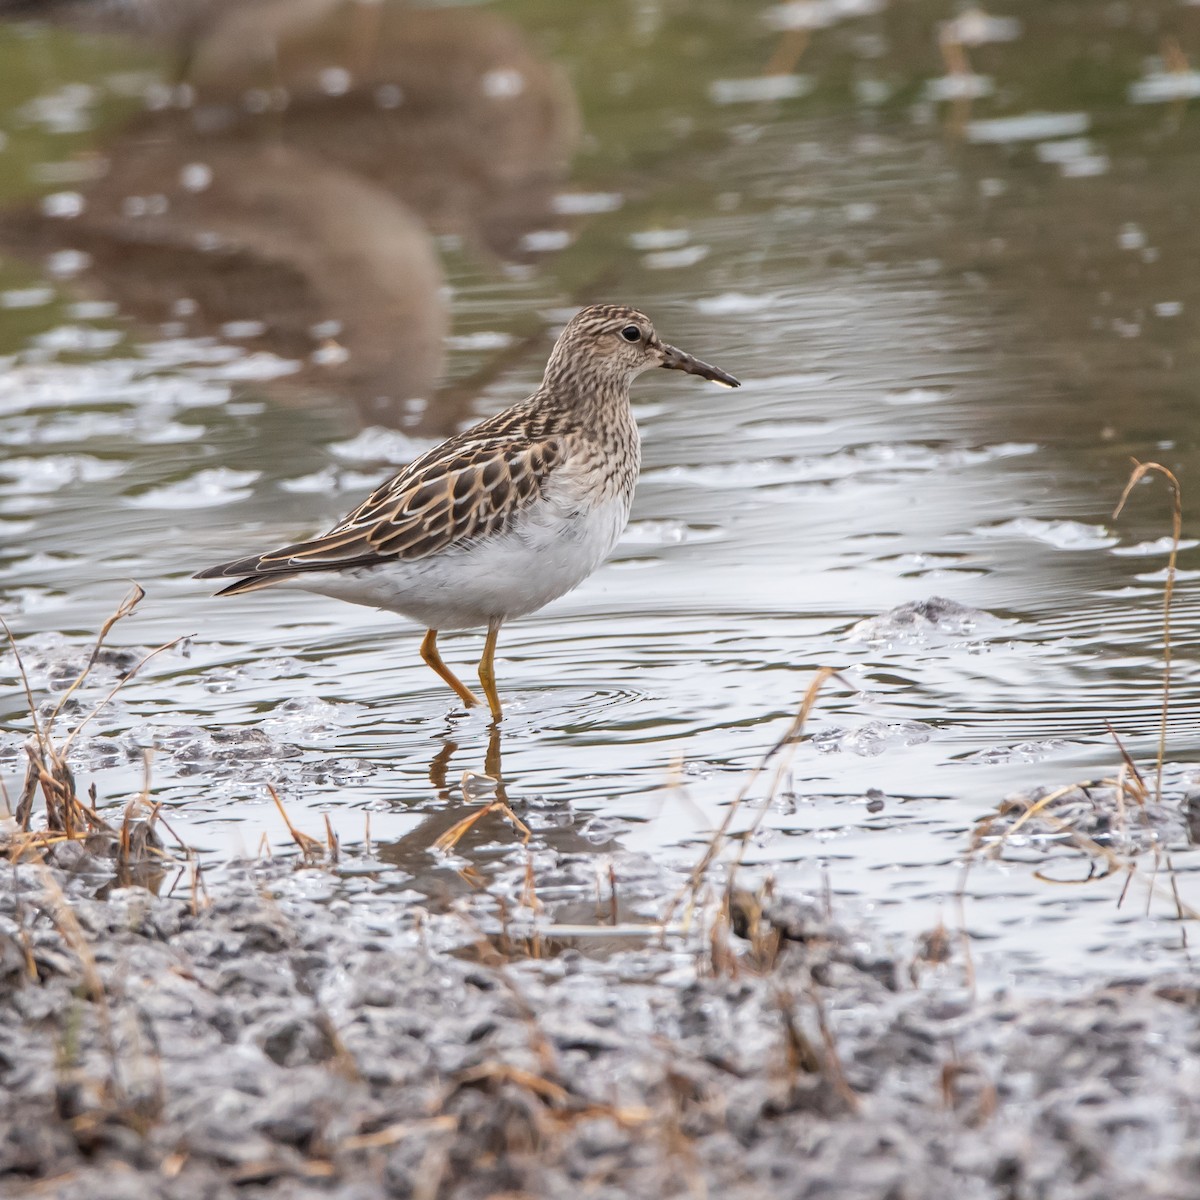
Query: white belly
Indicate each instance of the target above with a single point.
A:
(543, 557)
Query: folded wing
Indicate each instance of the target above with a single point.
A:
(469, 488)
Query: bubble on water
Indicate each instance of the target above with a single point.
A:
(72, 170)
(872, 92)
(237, 330)
(1029, 127)
(1063, 149)
(63, 206)
(1162, 87)
(668, 533)
(1085, 166)
(30, 297)
(258, 366)
(157, 96)
(196, 177)
(819, 14)
(964, 86)
(504, 83)
(1021, 752)
(1168, 308)
(317, 483)
(208, 488)
(1062, 535)
(875, 459)
(1074, 157)
(544, 241)
(78, 339)
(92, 310)
(1162, 575)
(977, 28)
(377, 444)
(925, 622)
(917, 395)
(669, 260)
(483, 340)
(65, 111)
(873, 738)
(335, 81)
(64, 264)
(331, 354)
(759, 88)
(1131, 236)
(735, 303)
(587, 203)
(57, 471)
(310, 717)
(1162, 545)
(659, 239)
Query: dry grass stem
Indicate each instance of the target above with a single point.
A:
(834, 1071)
(1140, 471)
(390, 1135)
(134, 843)
(720, 838)
(1129, 773)
(131, 601)
(459, 829)
(310, 847)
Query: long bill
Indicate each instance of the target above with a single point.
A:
(677, 360)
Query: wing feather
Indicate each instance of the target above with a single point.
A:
(470, 487)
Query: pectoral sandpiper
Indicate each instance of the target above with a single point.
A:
(500, 519)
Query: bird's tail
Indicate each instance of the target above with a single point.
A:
(249, 575)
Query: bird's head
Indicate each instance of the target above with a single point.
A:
(613, 344)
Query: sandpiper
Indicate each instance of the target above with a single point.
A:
(502, 518)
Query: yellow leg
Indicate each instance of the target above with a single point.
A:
(429, 652)
(487, 671)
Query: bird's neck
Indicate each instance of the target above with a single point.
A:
(592, 398)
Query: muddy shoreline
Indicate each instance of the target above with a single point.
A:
(271, 1040)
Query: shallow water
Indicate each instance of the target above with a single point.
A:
(952, 334)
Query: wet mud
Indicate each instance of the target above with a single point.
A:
(274, 1038)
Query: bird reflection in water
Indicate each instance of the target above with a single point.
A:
(596, 924)
(494, 781)
(478, 813)
(490, 816)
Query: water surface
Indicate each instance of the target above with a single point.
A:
(227, 310)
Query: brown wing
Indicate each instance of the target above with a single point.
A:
(469, 487)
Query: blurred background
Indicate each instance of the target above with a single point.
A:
(253, 255)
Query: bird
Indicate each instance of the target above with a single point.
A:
(502, 518)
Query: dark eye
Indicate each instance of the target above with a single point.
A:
(631, 333)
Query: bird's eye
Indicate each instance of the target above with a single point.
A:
(631, 333)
